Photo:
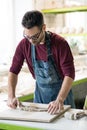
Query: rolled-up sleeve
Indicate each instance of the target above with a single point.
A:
(18, 60)
(67, 60)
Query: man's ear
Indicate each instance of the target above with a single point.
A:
(44, 27)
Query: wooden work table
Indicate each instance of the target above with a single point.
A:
(61, 123)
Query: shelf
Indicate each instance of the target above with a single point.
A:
(65, 10)
(73, 34)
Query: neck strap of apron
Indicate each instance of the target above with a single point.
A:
(49, 52)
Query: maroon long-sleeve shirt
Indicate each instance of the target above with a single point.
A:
(60, 50)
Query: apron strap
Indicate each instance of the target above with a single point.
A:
(33, 53)
(49, 52)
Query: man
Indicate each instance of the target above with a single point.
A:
(50, 61)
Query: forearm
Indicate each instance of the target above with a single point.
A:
(65, 88)
(12, 81)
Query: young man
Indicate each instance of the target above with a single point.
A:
(50, 61)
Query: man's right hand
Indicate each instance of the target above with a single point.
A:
(13, 102)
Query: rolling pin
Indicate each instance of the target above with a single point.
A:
(74, 115)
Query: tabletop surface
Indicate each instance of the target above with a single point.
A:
(60, 123)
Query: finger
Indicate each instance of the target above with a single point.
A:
(53, 110)
(12, 106)
(14, 103)
(49, 105)
(50, 108)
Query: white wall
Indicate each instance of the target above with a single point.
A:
(11, 13)
(6, 29)
(20, 7)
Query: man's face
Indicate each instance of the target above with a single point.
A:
(35, 35)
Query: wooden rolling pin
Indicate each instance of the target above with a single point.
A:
(74, 115)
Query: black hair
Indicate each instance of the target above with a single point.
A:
(32, 18)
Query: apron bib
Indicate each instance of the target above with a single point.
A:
(48, 79)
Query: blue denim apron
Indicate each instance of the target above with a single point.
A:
(48, 79)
